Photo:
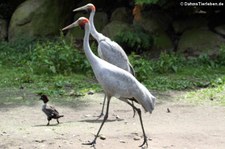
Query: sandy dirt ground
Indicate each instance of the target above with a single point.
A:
(186, 126)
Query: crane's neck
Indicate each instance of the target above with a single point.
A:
(94, 32)
(92, 58)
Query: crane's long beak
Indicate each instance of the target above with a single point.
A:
(70, 26)
(80, 8)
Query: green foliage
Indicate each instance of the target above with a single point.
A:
(60, 69)
(173, 71)
(134, 40)
(47, 66)
(221, 56)
(41, 57)
(209, 96)
(51, 57)
(168, 62)
(204, 59)
(168, 82)
(141, 66)
(146, 1)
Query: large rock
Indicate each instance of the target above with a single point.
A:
(3, 29)
(114, 27)
(220, 30)
(199, 41)
(182, 25)
(162, 42)
(156, 22)
(122, 14)
(152, 21)
(149, 24)
(39, 18)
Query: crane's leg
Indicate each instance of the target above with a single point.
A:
(103, 105)
(142, 126)
(134, 112)
(105, 118)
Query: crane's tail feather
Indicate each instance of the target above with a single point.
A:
(150, 104)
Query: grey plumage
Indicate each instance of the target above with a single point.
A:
(115, 81)
(49, 111)
(108, 50)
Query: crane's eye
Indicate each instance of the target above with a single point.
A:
(82, 26)
(82, 23)
(91, 8)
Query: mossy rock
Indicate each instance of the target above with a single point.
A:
(3, 29)
(114, 27)
(154, 21)
(149, 25)
(200, 41)
(182, 25)
(34, 18)
(221, 29)
(122, 14)
(101, 19)
(162, 41)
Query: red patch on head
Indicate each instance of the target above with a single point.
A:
(91, 8)
(83, 22)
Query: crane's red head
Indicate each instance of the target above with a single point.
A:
(81, 22)
(89, 7)
(44, 98)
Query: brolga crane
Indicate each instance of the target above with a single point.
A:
(108, 50)
(115, 81)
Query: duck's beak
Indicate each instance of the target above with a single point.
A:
(74, 24)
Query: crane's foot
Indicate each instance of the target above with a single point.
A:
(57, 121)
(101, 115)
(145, 142)
(90, 143)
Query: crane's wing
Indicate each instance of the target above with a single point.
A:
(121, 84)
(111, 52)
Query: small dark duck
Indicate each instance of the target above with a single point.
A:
(50, 111)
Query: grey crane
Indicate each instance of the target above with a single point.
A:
(115, 81)
(108, 50)
(50, 111)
